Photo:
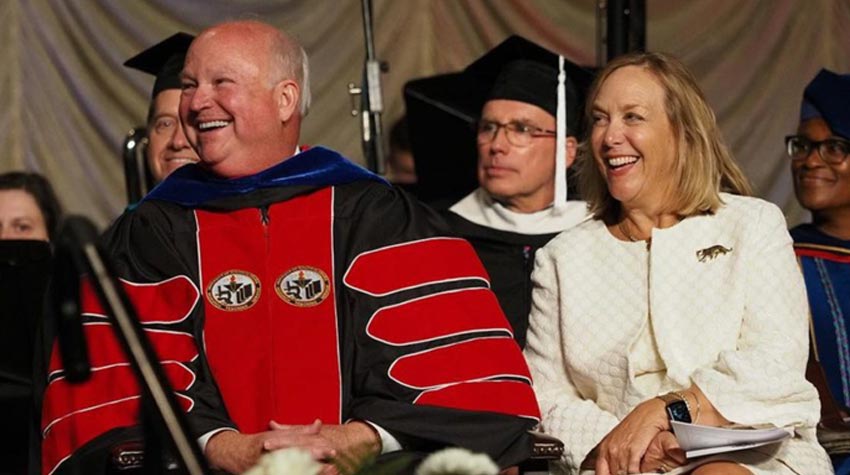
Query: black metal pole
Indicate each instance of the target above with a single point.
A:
(625, 27)
(136, 177)
(371, 99)
(64, 292)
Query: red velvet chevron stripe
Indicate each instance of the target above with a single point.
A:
(155, 302)
(483, 358)
(69, 434)
(71, 399)
(505, 397)
(492, 374)
(456, 312)
(414, 264)
(105, 350)
(73, 415)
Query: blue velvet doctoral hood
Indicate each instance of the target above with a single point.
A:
(192, 186)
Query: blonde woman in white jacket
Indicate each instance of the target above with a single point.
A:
(681, 300)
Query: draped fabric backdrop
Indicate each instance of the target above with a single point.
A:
(66, 102)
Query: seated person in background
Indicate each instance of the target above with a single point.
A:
(821, 171)
(683, 290)
(29, 212)
(167, 148)
(28, 207)
(305, 302)
(514, 211)
(401, 170)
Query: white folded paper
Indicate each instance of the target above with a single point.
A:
(697, 440)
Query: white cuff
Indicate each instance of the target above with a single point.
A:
(204, 439)
(388, 442)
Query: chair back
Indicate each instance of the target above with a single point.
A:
(137, 176)
(833, 430)
(24, 273)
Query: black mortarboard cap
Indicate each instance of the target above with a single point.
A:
(442, 110)
(520, 70)
(828, 96)
(163, 60)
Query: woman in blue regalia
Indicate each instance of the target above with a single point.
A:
(821, 169)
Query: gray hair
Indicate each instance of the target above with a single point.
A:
(292, 63)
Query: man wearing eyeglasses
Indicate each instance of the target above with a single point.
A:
(821, 170)
(167, 147)
(514, 211)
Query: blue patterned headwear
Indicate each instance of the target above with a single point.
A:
(828, 97)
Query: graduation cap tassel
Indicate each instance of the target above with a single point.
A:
(561, 142)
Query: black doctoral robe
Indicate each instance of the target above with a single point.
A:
(312, 289)
(509, 260)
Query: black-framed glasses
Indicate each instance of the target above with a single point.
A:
(833, 151)
(519, 134)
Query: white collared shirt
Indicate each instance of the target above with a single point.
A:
(480, 208)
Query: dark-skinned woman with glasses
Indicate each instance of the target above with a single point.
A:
(820, 164)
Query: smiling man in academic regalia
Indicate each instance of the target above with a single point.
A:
(284, 287)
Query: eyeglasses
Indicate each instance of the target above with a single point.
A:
(519, 134)
(832, 151)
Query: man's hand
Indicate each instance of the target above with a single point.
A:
(351, 443)
(306, 437)
(233, 452)
(663, 454)
(623, 449)
(236, 453)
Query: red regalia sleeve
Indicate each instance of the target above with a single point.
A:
(74, 414)
(439, 365)
(448, 375)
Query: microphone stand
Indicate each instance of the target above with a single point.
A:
(78, 240)
(371, 103)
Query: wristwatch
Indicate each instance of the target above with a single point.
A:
(677, 408)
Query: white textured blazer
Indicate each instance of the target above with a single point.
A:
(728, 311)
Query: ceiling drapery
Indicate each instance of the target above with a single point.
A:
(67, 101)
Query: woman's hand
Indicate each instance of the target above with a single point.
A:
(663, 454)
(623, 449)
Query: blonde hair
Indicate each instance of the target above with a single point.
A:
(703, 168)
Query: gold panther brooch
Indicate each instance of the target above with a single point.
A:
(709, 253)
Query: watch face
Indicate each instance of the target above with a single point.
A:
(678, 411)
